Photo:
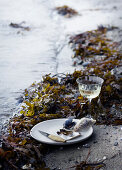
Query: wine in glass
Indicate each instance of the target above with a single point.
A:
(90, 86)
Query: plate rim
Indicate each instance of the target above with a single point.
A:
(58, 143)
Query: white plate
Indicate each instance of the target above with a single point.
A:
(54, 125)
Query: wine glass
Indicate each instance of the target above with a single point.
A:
(90, 86)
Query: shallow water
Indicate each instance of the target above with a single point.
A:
(27, 55)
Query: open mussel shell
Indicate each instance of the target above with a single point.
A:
(69, 124)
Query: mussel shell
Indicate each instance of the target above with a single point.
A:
(69, 124)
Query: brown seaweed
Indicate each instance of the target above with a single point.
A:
(52, 98)
(66, 11)
(15, 25)
(85, 165)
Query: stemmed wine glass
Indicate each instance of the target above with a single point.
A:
(90, 86)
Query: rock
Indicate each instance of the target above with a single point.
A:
(26, 166)
(115, 143)
(80, 62)
(117, 86)
(20, 99)
(86, 146)
(113, 106)
(117, 72)
(105, 127)
(104, 158)
(85, 64)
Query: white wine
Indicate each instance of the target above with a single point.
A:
(90, 86)
(89, 91)
(90, 94)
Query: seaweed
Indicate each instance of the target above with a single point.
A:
(52, 98)
(85, 165)
(20, 25)
(66, 11)
(104, 57)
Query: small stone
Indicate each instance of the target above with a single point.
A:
(78, 148)
(115, 143)
(104, 158)
(113, 106)
(86, 146)
(26, 166)
(85, 64)
(80, 62)
(105, 127)
(115, 127)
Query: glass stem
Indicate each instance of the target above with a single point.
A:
(89, 106)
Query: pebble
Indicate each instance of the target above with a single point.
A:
(26, 166)
(80, 62)
(20, 100)
(86, 146)
(85, 64)
(115, 143)
(104, 158)
(115, 127)
(113, 106)
(105, 127)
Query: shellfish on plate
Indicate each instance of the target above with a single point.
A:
(71, 126)
(84, 123)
